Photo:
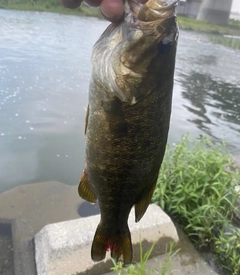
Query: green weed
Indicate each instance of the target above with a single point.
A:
(231, 41)
(227, 246)
(166, 267)
(233, 28)
(186, 23)
(196, 186)
(49, 6)
(141, 267)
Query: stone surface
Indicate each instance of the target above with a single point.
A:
(64, 248)
(29, 208)
(6, 249)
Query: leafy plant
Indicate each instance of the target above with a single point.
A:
(228, 248)
(166, 267)
(229, 41)
(196, 186)
(141, 268)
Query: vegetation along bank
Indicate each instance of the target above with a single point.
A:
(197, 187)
(233, 28)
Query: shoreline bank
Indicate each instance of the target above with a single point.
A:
(185, 23)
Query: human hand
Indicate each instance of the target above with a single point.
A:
(112, 10)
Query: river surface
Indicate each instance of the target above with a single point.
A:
(45, 70)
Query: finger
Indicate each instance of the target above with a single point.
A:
(93, 3)
(112, 10)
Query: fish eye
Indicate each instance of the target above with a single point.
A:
(165, 45)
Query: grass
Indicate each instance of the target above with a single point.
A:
(185, 23)
(48, 6)
(232, 42)
(228, 249)
(141, 267)
(196, 186)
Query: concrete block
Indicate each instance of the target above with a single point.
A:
(64, 248)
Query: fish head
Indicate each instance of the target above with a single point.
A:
(133, 56)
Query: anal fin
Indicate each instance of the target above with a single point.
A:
(85, 190)
(142, 205)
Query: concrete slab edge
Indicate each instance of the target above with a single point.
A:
(64, 248)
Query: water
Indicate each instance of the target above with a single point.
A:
(44, 75)
(207, 90)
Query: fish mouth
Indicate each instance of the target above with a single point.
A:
(152, 10)
(128, 54)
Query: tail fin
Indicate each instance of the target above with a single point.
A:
(119, 244)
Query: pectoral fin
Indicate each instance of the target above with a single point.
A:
(142, 205)
(85, 190)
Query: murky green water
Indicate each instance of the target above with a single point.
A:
(44, 75)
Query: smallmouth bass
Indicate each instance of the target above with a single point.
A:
(127, 121)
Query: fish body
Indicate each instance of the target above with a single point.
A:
(127, 121)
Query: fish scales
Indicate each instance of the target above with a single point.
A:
(127, 121)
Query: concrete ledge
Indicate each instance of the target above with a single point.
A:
(64, 248)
